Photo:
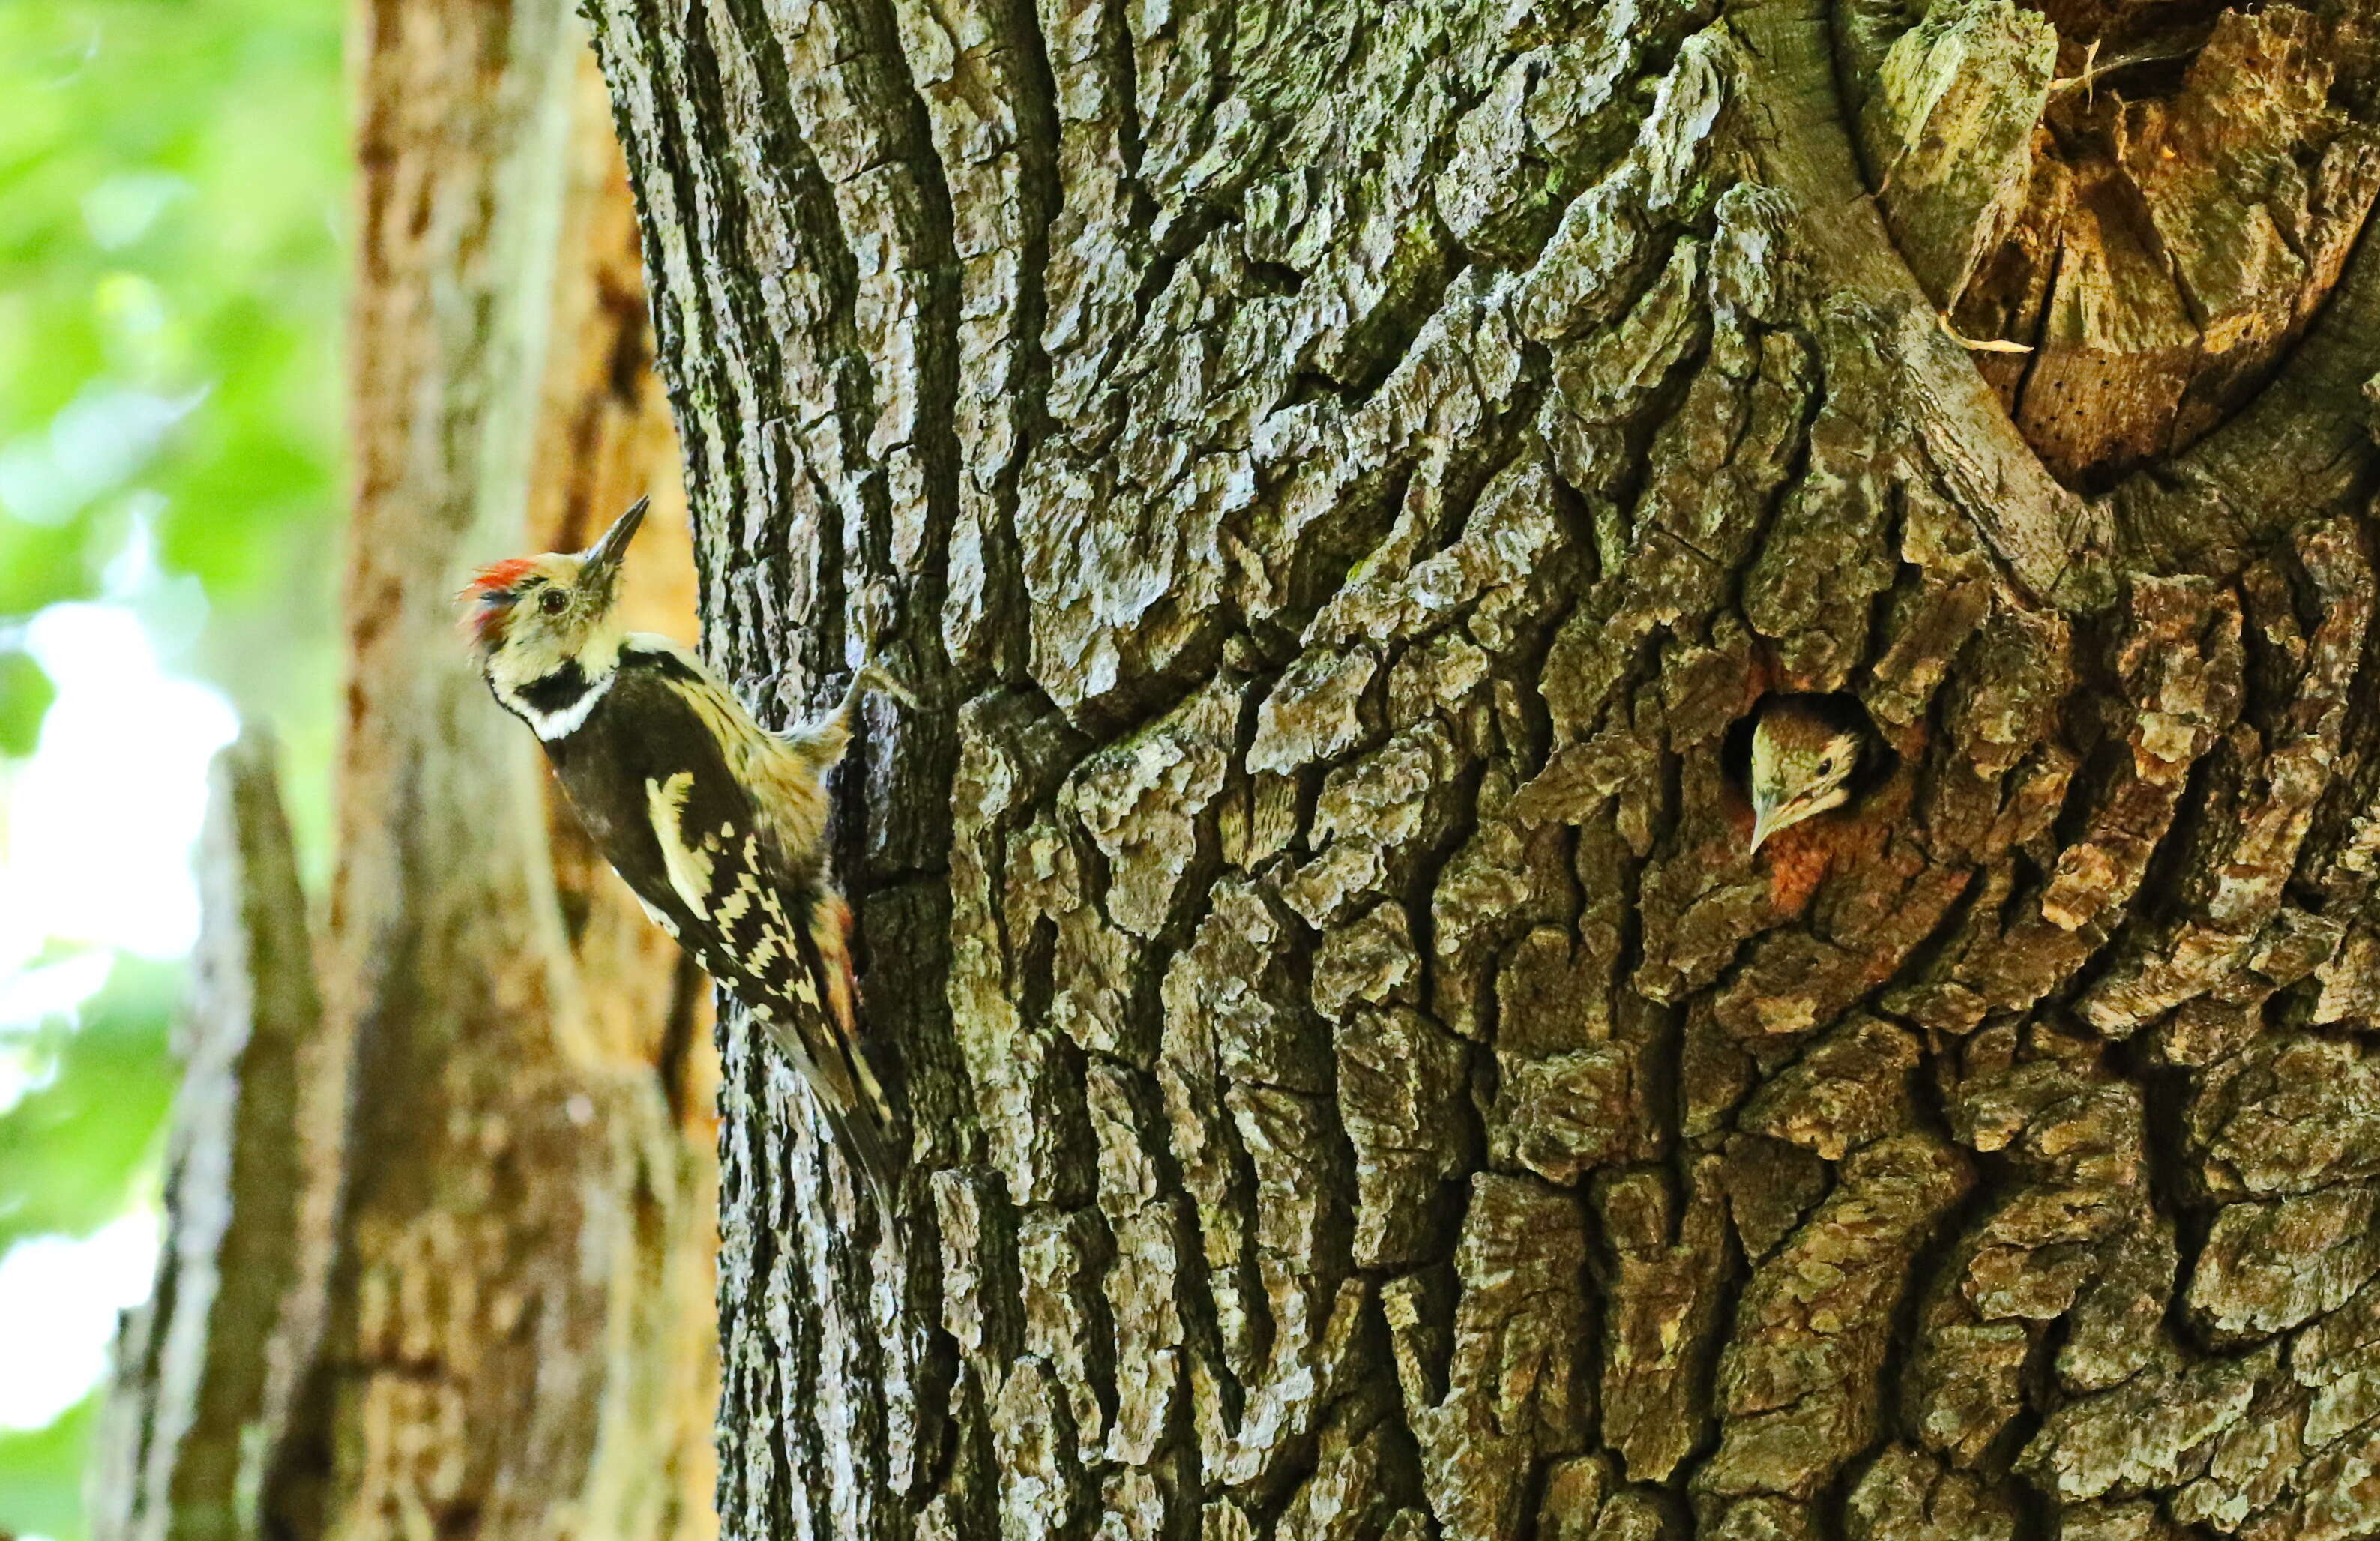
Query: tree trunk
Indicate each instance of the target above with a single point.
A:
(440, 1257)
(1342, 477)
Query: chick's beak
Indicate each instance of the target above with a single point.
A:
(603, 558)
(1765, 822)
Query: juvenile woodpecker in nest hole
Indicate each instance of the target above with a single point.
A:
(716, 823)
(1803, 759)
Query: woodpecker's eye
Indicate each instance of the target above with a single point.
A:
(1826, 766)
(553, 602)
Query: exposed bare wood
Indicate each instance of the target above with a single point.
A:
(2159, 199)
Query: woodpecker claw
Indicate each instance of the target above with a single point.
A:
(874, 676)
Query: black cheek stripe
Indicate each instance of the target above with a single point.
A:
(558, 691)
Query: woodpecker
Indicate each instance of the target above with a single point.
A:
(1802, 764)
(716, 823)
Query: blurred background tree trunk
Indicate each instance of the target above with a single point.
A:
(441, 1197)
(1341, 477)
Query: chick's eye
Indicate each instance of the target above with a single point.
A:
(552, 601)
(1825, 766)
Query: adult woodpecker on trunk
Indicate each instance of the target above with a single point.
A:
(718, 824)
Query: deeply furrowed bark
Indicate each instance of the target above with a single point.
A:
(1341, 478)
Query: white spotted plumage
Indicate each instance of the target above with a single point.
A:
(689, 867)
(717, 824)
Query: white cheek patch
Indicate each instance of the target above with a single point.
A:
(550, 725)
(689, 869)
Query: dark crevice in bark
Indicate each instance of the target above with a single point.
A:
(1115, 33)
(1733, 1278)
(1044, 198)
(2037, 1513)
(1389, 335)
(2318, 879)
(698, 79)
(1950, 932)
(1661, 411)
(688, 989)
(2179, 851)
(1429, 867)
(936, 262)
(807, 201)
(1794, 477)
(2176, 1192)
(1933, 1271)
(2039, 1395)
(2020, 396)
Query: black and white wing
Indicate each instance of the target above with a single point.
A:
(650, 781)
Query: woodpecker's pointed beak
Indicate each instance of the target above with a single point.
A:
(603, 558)
(1765, 823)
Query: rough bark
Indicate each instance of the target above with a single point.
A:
(1342, 475)
(439, 1258)
(207, 1371)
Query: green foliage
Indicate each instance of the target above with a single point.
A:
(171, 273)
(40, 1475)
(169, 305)
(74, 1148)
(40, 563)
(25, 694)
(75, 1152)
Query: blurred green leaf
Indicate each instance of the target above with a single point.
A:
(25, 694)
(170, 290)
(41, 565)
(40, 1475)
(73, 1148)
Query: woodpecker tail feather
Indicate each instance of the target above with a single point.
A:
(870, 1155)
(846, 1090)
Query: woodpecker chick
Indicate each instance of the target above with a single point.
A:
(717, 824)
(1801, 764)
